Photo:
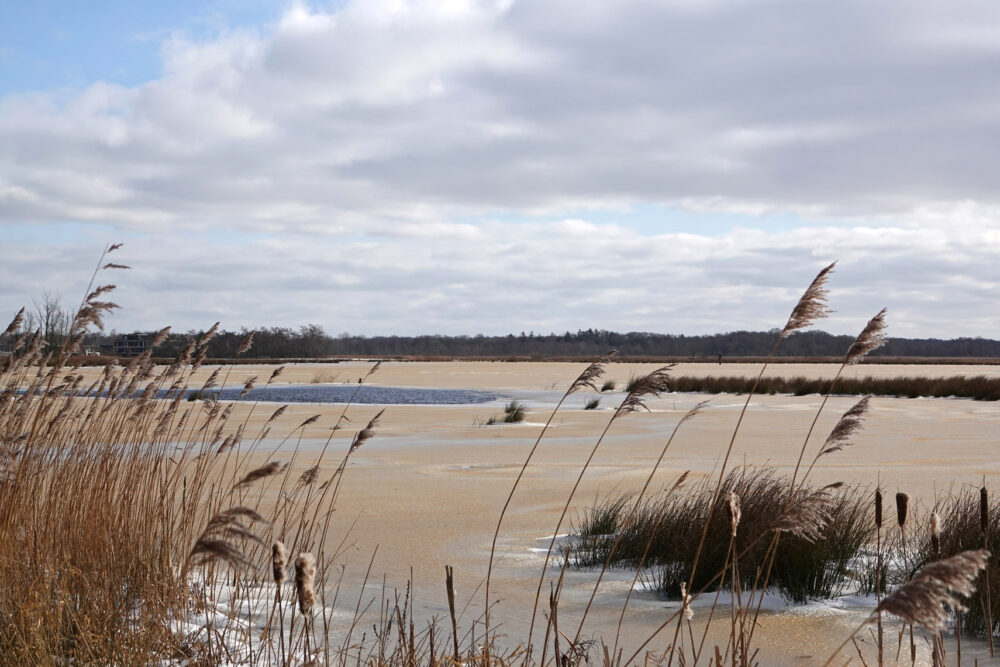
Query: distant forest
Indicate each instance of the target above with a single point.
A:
(312, 342)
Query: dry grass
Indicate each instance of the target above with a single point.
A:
(135, 529)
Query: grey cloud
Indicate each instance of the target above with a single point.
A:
(933, 284)
(361, 116)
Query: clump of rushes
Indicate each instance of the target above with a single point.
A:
(609, 385)
(514, 412)
(825, 530)
(592, 403)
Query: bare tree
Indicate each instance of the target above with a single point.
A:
(49, 316)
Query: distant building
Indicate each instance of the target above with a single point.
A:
(130, 345)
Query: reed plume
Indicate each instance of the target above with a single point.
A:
(651, 385)
(807, 517)
(366, 434)
(309, 476)
(849, 424)
(277, 413)
(15, 323)
(217, 541)
(245, 345)
(925, 598)
(871, 338)
(588, 378)
(208, 335)
(248, 386)
(311, 420)
(266, 470)
(811, 306)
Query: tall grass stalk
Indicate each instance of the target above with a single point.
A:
(586, 380)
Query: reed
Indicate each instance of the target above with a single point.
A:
(810, 563)
(137, 528)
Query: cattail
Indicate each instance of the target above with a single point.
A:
(811, 306)
(936, 534)
(734, 512)
(278, 562)
(305, 573)
(984, 510)
(902, 504)
(878, 508)
(686, 602)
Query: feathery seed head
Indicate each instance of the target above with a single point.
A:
(246, 344)
(849, 424)
(928, 598)
(652, 385)
(811, 306)
(15, 323)
(871, 338)
(266, 470)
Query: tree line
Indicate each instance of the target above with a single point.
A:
(312, 342)
(53, 321)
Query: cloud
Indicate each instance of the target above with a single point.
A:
(470, 165)
(546, 277)
(382, 108)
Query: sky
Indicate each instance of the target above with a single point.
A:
(496, 166)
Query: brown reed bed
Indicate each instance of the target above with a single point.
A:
(977, 387)
(671, 523)
(137, 529)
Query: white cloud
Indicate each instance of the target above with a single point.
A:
(336, 166)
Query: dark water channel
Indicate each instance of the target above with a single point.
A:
(364, 394)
